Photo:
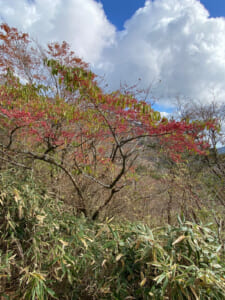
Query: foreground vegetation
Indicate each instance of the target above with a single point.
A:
(48, 253)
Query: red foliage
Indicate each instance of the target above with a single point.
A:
(60, 109)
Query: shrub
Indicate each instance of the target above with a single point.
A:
(48, 253)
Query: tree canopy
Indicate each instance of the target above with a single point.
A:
(53, 110)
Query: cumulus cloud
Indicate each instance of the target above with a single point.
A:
(81, 23)
(165, 114)
(173, 44)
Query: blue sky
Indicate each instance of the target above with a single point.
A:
(215, 7)
(118, 11)
(176, 47)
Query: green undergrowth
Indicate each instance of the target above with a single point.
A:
(47, 252)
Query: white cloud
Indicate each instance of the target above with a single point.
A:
(81, 23)
(175, 44)
(172, 44)
(165, 114)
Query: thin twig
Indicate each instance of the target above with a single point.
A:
(14, 163)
